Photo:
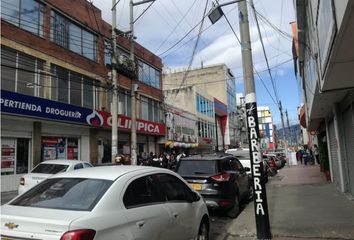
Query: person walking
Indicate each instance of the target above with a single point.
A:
(316, 153)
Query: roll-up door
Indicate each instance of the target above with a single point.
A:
(334, 154)
(348, 125)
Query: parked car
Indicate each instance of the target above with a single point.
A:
(219, 178)
(108, 203)
(46, 169)
(243, 155)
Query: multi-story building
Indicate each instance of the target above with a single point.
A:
(55, 89)
(326, 68)
(293, 135)
(208, 92)
(265, 122)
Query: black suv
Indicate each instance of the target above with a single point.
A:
(219, 178)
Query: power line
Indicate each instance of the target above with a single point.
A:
(265, 54)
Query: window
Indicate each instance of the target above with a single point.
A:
(21, 73)
(65, 193)
(107, 52)
(149, 75)
(142, 191)
(150, 110)
(174, 188)
(73, 88)
(73, 37)
(205, 106)
(26, 14)
(78, 166)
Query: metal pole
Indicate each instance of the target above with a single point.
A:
(289, 130)
(114, 110)
(133, 156)
(260, 195)
(284, 136)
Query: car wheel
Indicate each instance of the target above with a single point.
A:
(203, 233)
(235, 210)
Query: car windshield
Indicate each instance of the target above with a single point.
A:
(49, 168)
(195, 167)
(78, 194)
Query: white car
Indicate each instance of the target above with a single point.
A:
(46, 169)
(243, 155)
(108, 203)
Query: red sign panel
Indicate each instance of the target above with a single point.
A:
(104, 119)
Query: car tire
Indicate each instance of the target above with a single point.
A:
(203, 232)
(235, 210)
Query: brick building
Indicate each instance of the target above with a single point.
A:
(56, 92)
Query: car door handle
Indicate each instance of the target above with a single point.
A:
(175, 215)
(140, 224)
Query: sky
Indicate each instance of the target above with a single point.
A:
(166, 22)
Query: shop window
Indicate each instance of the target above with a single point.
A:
(59, 148)
(8, 156)
(14, 156)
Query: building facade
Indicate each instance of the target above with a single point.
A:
(326, 68)
(56, 92)
(213, 96)
(265, 122)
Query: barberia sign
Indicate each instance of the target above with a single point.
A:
(24, 105)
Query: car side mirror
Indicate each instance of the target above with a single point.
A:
(246, 169)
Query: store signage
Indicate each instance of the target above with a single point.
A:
(260, 196)
(220, 108)
(20, 104)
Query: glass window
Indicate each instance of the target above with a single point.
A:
(75, 38)
(144, 108)
(149, 75)
(150, 109)
(49, 168)
(71, 36)
(31, 16)
(78, 166)
(195, 167)
(174, 188)
(26, 14)
(75, 89)
(88, 92)
(10, 11)
(107, 52)
(62, 77)
(26, 74)
(65, 193)
(8, 68)
(142, 191)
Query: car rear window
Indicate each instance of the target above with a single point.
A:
(48, 168)
(80, 194)
(196, 167)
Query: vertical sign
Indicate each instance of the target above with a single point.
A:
(260, 195)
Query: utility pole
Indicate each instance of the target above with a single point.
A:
(284, 135)
(133, 99)
(260, 199)
(114, 110)
(289, 132)
(134, 87)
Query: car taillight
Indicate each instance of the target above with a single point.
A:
(22, 181)
(223, 177)
(224, 203)
(80, 234)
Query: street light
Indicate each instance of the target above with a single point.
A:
(260, 198)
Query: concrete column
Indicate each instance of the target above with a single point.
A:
(337, 126)
(37, 143)
(329, 150)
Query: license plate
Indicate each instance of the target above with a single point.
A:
(196, 186)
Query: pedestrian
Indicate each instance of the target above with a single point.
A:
(316, 153)
(305, 155)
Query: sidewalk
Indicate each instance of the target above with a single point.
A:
(302, 205)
